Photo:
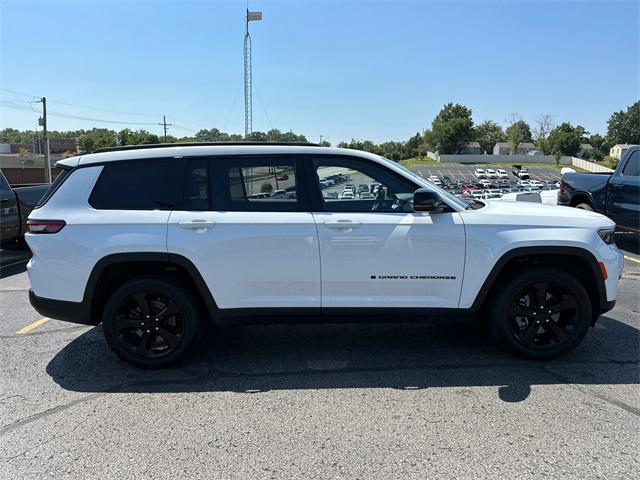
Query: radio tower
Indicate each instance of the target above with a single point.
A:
(251, 16)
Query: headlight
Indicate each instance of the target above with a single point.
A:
(606, 234)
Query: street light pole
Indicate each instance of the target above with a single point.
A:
(248, 127)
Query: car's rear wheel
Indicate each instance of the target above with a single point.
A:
(585, 206)
(542, 313)
(151, 322)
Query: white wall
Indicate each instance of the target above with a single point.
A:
(589, 166)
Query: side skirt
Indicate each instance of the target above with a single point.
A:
(270, 316)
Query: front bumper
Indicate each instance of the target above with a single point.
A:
(74, 312)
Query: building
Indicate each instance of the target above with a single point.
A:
(586, 151)
(472, 148)
(504, 148)
(62, 145)
(618, 150)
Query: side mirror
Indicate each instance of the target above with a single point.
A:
(425, 200)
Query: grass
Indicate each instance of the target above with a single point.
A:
(425, 161)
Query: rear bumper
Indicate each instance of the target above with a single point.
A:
(607, 306)
(74, 312)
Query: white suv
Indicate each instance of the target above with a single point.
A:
(153, 242)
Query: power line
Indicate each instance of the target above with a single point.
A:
(104, 110)
(19, 93)
(82, 106)
(264, 109)
(233, 105)
(17, 106)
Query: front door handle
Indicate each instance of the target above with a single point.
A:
(342, 224)
(198, 225)
(617, 186)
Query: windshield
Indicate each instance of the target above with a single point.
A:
(441, 191)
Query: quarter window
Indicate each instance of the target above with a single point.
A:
(150, 184)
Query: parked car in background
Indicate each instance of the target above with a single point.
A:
(480, 173)
(347, 195)
(521, 172)
(502, 173)
(616, 195)
(16, 204)
(491, 173)
(435, 180)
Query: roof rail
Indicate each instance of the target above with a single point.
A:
(203, 144)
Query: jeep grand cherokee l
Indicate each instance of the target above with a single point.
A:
(153, 242)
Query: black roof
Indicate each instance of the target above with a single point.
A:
(203, 144)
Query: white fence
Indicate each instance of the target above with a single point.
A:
(512, 159)
(589, 166)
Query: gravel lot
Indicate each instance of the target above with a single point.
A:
(365, 401)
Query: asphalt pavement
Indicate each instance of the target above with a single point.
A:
(331, 401)
(465, 172)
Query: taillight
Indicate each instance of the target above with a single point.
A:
(45, 226)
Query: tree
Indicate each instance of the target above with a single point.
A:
(517, 132)
(624, 127)
(429, 140)
(565, 139)
(541, 132)
(86, 144)
(266, 187)
(488, 133)
(412, 147)
(600, 146)
(452, 128)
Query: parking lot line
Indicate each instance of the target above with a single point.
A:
(632, 259)
(32, 326)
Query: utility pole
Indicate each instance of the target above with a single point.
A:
(45, 139)
(164, 126)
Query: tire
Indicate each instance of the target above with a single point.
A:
(150, 322)
(585, 206)
(520, 318)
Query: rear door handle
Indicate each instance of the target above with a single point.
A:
(342, 224)
(617, 186)
(196, 225)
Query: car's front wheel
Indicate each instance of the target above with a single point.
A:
(541, 313)
(151, 322)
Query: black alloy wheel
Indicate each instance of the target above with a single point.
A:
(151, 322)
(544, 314)
(540, 312)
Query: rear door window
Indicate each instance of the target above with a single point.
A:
(196, 186)
(150, 184)
(632, 168)
(256, 184)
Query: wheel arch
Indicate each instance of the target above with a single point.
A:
(112, 270)
(578, 261)
(579, 197)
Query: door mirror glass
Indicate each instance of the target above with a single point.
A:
(425, 200)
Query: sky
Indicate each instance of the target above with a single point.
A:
(378, 70)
